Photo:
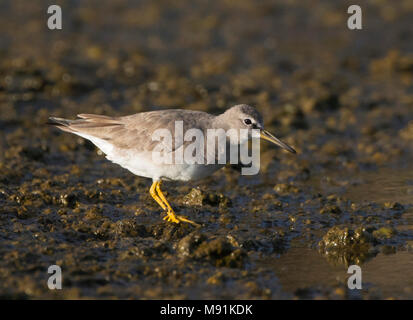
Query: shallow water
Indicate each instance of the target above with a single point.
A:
(305, 271)
(388, 274)
(380, 185)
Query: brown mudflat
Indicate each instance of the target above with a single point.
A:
(342, 98)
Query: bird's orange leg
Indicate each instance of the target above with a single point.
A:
(152, 191)
(171, 216)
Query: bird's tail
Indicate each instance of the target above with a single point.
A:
(87, 123)
(63, 124)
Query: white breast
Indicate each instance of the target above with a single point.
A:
(143, 165)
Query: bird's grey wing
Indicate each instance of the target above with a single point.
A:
(175, 122)
(131, 132)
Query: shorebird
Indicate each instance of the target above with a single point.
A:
(128, 142)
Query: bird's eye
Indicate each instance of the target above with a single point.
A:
(247, 122)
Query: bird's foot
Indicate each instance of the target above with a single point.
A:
(183, 219)
(172, 217)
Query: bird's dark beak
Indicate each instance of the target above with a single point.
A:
(264, 134)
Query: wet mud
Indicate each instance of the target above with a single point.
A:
(343, 99)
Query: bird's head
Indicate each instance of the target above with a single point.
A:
(243, 116)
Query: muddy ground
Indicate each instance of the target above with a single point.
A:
(343, 99)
